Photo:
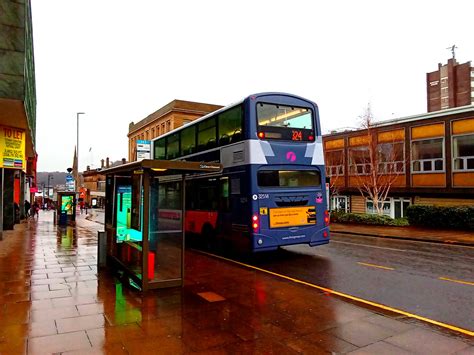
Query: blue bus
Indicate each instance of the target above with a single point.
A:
(272, 190)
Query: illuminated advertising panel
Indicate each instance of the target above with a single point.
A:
(67, 204)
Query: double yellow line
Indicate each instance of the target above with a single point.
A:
(327, 290)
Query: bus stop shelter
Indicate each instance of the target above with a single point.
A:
(145, 219)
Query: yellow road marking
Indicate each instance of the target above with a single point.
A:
(328, 290)
(458, 281)
(377, 266)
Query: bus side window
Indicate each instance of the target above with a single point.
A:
(207, 134)
(230, 122)
(190, 197)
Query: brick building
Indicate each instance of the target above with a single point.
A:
(452, 85)
(171, 116)
(433, 160)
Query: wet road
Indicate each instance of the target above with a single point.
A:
(435, 281)
(431, 280)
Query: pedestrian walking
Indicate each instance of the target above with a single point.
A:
(35, 209)
(27, 208)
(16, 209)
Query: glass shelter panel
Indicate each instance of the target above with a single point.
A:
(128, 214)
(165, 231)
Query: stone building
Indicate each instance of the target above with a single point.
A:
(171, 116)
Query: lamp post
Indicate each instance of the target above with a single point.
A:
(77, 147)
(43, 200)
(50, 177)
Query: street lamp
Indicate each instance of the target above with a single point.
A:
(77, 142)
(50, 177)
(77, 149)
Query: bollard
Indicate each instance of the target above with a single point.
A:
(101, 249)
(54, 217)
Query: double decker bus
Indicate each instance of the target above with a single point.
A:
(272, 191)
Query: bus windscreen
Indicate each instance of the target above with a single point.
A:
(285, 122)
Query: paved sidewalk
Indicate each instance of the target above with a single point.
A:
(53, 300)
(457, 237)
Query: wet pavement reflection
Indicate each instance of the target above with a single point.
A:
(54, 300)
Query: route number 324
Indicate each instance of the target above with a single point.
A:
(297, 135)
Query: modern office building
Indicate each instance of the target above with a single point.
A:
(452, 85)
(17, 110)
(429, 156)
(171, 116)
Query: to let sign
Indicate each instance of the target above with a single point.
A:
(12, 148)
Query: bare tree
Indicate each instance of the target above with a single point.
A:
(376, 163)
(334, 169)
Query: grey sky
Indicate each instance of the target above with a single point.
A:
(118, 61)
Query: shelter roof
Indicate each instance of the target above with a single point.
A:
(165, 165)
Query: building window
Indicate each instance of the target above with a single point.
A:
(335, 162)
(386, 207)
(427, 155)
(339, 203)
(153, 133)
(163, 128)
(168, 125)
(391, 157)
(463, 153)
(394, 207)
(400, 206)
(359, 161)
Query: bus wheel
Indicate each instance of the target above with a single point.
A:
(209, 237)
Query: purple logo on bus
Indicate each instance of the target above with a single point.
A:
(291, 156)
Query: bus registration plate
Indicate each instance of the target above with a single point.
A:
(292, 216)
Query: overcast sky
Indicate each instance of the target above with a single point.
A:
(119, 61)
